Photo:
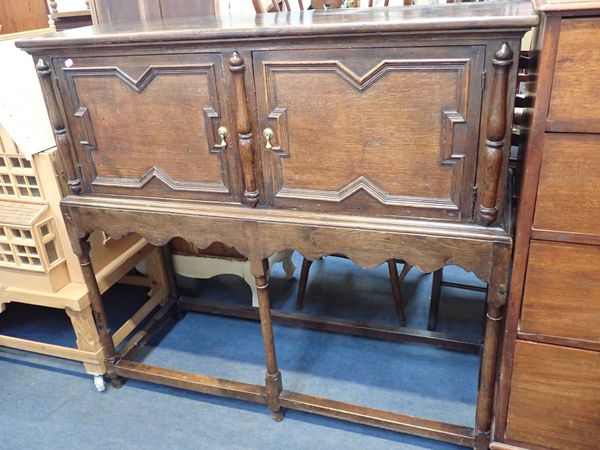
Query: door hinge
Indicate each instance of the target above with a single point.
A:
(474, 195)
(483, 77)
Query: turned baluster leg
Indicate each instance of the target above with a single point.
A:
(496, 300)
(110, 354)
(273, 377)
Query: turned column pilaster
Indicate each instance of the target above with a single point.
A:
(63, 141)
(494, 134)
(244, 129)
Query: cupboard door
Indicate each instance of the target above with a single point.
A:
(378, 131)
(148, 125)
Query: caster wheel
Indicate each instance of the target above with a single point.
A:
(99, 383)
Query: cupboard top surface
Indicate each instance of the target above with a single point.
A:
(458, 16)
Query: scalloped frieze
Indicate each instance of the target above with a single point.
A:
(367, 248)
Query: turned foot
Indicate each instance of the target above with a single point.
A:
(179, 313)
(117, 382)
(277, 416)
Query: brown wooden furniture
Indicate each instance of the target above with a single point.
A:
(436, 295)
(60, 19)
(549, 395)
(395, 282)
(263, 6)
(395, 278)
(203, 129)
(121, 11)
(23, 15)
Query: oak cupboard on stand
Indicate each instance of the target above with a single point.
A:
(202, 129)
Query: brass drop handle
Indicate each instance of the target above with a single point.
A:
(268, 134)
(223, 133)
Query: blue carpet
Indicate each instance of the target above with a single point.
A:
(47, 402)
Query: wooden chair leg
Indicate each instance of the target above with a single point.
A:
(396, 293)
(407, 268)
(306, 263)
(170, 278)
(273, 382)
(436, 293)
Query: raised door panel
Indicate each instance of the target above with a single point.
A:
(574, 105)
(385, 131)
(148, 125)
(568, 198)
(554, 397)
(562, 291)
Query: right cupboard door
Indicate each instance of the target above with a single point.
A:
(373, 131)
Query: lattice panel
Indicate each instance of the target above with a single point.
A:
(33, 249)
(48, 236)
(17, 178)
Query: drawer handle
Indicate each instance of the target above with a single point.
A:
(222, 132)
(268, 134)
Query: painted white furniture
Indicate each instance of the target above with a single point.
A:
(37, 264)
(205, 267)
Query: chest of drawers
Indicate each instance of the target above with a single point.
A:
(549, 396)
(375, 134)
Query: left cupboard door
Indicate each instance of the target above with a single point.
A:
(151, 125)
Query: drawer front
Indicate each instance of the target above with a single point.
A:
(574, 105)
(388, 131)
(555, 397)
(568, 198)
(562, 291)
(147, 125)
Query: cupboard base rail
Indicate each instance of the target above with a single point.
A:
(165, 317)
(454, 434)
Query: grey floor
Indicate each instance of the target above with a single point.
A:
(51, 403)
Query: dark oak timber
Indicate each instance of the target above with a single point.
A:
(244, 128)
(382, 419)
(63, 143)
(191, 381)
(495, 131)
(241, 131)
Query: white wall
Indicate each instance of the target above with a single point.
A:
(69, 5)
